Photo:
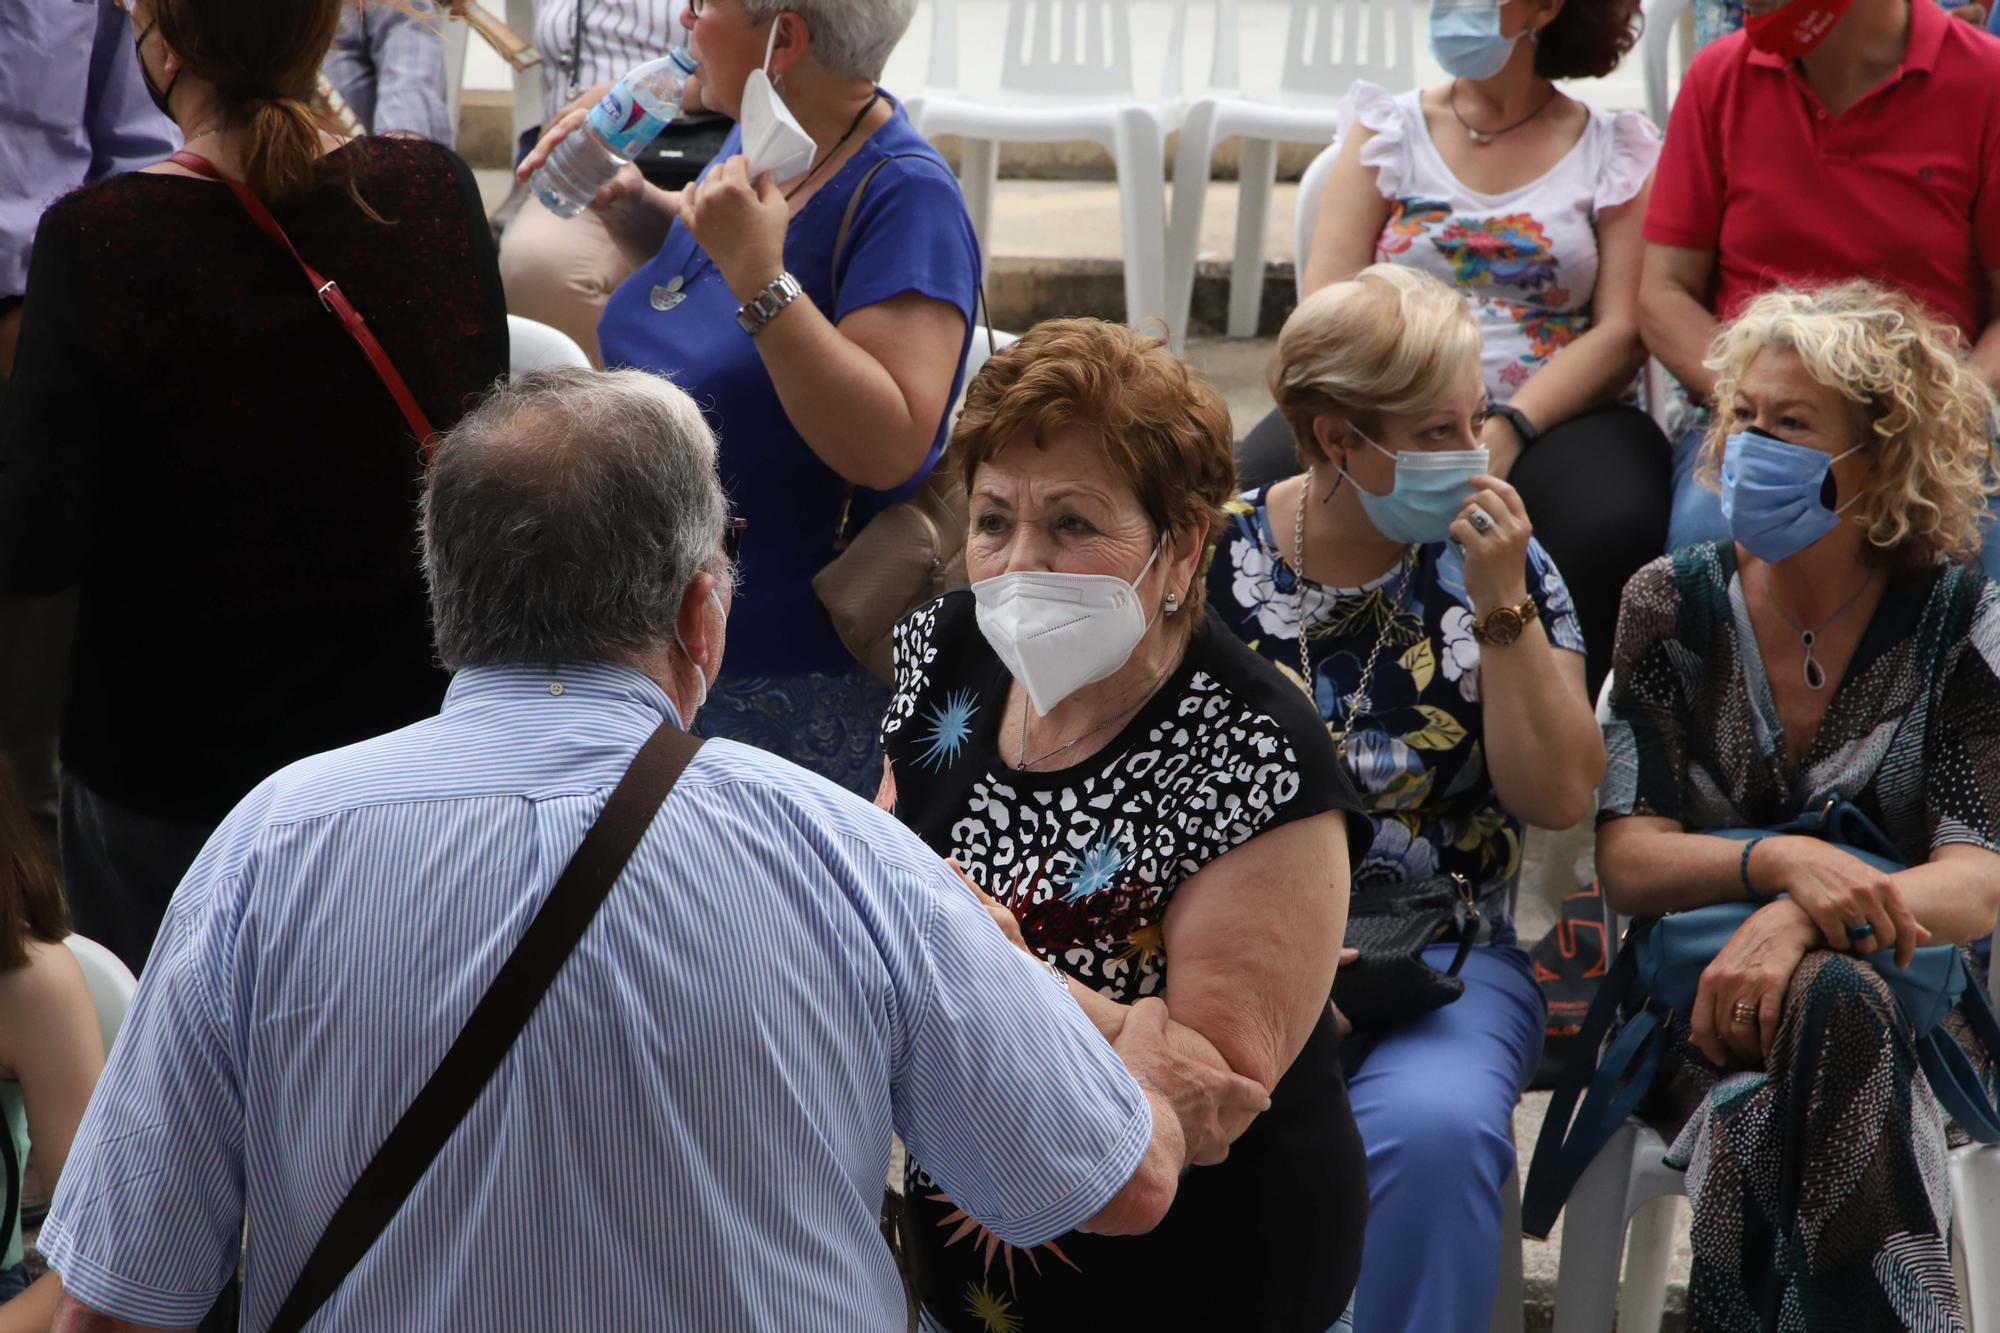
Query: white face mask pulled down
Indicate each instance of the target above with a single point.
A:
(1057, 633)
(700, 676)
(773, 139)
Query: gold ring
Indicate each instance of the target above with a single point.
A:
(1743, 1012)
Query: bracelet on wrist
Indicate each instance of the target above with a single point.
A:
(1743, 870)
(1516, 418)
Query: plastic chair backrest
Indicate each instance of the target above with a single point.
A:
(111, 984)
(976, 355)
(532, 345)
(1661, 18)
(1305, 214)
(943, 72)
(1328, 45)
(1076, 47)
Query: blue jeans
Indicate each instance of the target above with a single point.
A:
(1435, 1102)
(13, 1281)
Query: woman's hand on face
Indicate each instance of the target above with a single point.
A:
(1753, 969)
(1836, 891)
(740, 224)
(1496, 560)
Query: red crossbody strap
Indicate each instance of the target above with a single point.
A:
(329, 294)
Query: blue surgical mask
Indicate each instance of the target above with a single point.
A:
(1771, 493)
(1430, 491)
(1466, 38)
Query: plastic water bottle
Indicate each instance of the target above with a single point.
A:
(631, 115)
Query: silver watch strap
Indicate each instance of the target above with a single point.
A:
(762, 308)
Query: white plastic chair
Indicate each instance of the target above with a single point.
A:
(1662, 17)
(111, 984)
(1065, 75)
(1328, 45)
(532, 345)
(1305, 213)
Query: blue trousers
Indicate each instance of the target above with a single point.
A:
(1435, 1103)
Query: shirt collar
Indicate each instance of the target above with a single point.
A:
(1927, 31)
(558, 683)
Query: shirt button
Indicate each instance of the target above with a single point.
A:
(1821, 113)
(556, 689)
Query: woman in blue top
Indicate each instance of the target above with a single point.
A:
(847, 383)
(1441, 647)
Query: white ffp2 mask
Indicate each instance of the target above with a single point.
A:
(1057, 633)
(773, 139)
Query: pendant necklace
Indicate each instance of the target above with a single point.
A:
(1813, 673)
(1484, 137)
(1358, 700)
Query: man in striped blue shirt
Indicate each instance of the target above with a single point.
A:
(691, 1133)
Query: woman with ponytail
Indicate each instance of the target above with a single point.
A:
(196, 442)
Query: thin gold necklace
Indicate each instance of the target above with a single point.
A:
(1128, 710)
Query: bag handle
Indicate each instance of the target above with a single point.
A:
(330, 297)
(509, 1002)
(840, 537)
(10, 1162)
(1616, 1087)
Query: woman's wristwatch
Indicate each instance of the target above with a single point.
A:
(762, 308)
(1516, 418)
(1503, 624)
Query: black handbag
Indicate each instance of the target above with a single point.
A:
(684, 149)
(1390, 984)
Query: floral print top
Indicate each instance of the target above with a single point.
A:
(1416, 746)
(1527, 260)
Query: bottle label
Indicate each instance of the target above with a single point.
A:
(623, 123)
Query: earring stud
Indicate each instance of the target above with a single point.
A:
(1173, 603)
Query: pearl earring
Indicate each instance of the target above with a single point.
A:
(1173, 603)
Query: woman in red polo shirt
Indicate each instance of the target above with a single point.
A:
(1829, 139)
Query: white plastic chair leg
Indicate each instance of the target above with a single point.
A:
(1649, 1248)
(1255, 182)
(1193, 161)
(1140, 154)
(1975, 1224)
(979, 177)
(1594, 1239)
(1510, 1294)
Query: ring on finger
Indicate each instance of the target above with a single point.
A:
(1743, 1012)
(1856, 934)
(1481, 521)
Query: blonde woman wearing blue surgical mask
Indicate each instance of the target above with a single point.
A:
(1397, 582)
(1147, 808)
(1841, 644)
(825, 383)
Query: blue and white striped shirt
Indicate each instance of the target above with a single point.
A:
(693, 1129)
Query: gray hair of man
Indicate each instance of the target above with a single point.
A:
(851, 39)
(565, 517)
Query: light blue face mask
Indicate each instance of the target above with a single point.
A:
(1771, 494)
(1430, 491)
(1466, 39)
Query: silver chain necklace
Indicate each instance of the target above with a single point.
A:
(1027, 763)
(1358, 700)
(1812, 671)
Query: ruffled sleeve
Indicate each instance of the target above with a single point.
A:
(1389, 151)
(1633, 152)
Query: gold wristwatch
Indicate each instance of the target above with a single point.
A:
(1504, 624)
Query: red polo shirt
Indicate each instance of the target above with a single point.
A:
(1903, 186)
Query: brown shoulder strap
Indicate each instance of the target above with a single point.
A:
(496, 1021)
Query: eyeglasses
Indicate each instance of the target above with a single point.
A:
(732, 538)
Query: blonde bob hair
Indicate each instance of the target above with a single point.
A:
(1387, 340)
(1913, 396)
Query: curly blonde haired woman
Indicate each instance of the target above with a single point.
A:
(1841, 644)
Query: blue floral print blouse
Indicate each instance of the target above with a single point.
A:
(1416, 749)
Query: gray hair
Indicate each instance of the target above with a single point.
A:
(565, 516)
(851, 39)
